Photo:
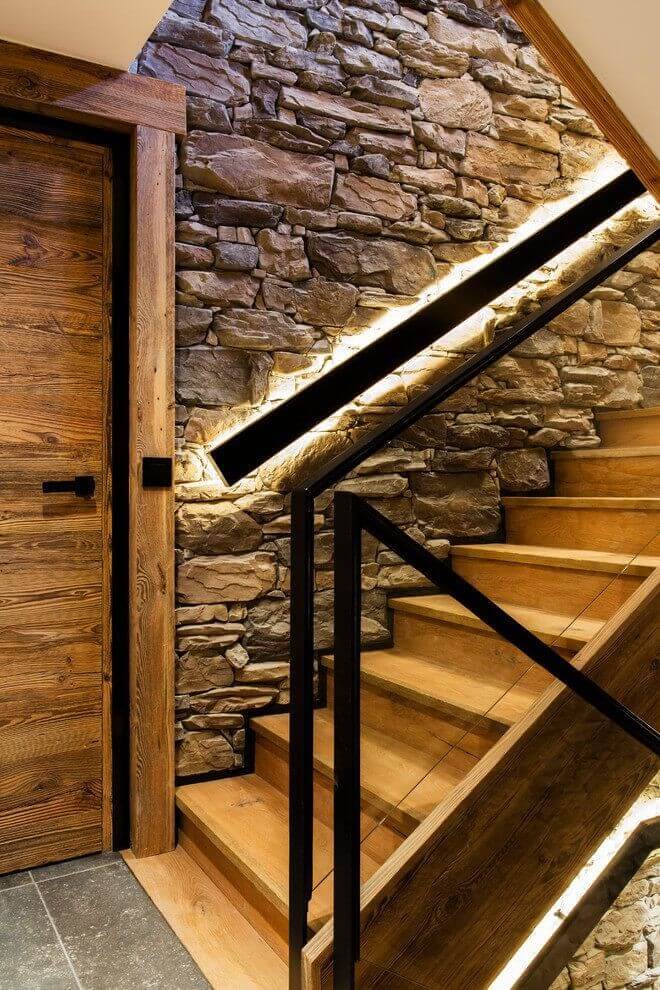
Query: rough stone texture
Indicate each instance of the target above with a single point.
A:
(341, 158)
(623, 951)
(249, 169)
(456, 103)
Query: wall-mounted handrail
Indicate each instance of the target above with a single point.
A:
(302, 532)
(353, 516)
(255, 443)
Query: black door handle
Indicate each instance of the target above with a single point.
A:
(83, 486)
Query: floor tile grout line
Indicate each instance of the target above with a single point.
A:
(75, 873)
(59, 937)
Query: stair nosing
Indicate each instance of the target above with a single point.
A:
(638, 565)
(600, 453)
(611, 502)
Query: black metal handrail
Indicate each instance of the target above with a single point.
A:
(255, 443)
(353, 515)
(302, 584)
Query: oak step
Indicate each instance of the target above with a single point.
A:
(563, 631)
(392, 772)
(629, 427)
(624, 471)
(225, 946)
(591, 584)
(617, 525)
(246, 822)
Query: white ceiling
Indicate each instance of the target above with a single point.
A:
(618, 39)
(108, 32)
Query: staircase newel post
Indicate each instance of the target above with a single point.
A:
(347, 612)
(301, 749)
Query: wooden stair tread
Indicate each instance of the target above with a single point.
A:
(598, 453)
(611, 414)
(583, 502)
(391, 770)
(561, 630)
(225, 946)
(444, 686)
(247, 818)
(639, 565)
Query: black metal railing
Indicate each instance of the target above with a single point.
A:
(302, 612)
(353, 516)
(256, 443)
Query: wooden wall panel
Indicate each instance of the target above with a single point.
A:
(151, 524)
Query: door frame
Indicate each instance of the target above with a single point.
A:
(140, 118)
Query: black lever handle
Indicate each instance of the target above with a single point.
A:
(82, 486)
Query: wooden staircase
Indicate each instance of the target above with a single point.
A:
(437, 700)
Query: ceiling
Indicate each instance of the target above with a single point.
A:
(619, 42)
(108, 32)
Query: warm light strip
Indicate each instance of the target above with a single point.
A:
(642, 810)
(603, 173)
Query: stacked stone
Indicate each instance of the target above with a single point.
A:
(623, 953)
(341, 157)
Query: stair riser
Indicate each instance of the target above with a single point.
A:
(420, 726)
(623, 476)
(478, 651)
(379, 840)
(630, 432)
(615, 530)
(592, 594)
(268, 919)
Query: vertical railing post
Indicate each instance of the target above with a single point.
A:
(301, 745)
(347, 552)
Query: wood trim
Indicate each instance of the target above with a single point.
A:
(70, 89)
(574, 71)
(107, 671)
(151, 511)
(462, 892)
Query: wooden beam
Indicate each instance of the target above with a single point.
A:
(151, 513)
(70, 89)
(462, 892)
(574, 71)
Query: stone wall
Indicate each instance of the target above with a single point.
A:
(342, 158)
(623, 952)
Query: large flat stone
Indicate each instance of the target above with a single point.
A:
(219, 376)
(429, 59)
(250, 20)
(219, 288)
(456, 103)
(392, 265)
(216, 527)
(352, 112)
(188, 32)
(505, 162)
(504, 79)
(461, 504)
(202, 75)
(258, 329)
(367, 194)
(476, 41)
(253, 170)
(319, 301)
(226, 578)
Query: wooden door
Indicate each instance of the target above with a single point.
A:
(55, 563)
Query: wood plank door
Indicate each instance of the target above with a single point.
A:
(55, 559)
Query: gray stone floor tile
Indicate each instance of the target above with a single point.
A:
(78, 865)
(31, 957)
(8, 880)
(114, 935)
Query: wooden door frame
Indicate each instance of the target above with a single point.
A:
(150, 114)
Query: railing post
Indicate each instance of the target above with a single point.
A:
(347, 551)
(301, 744)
